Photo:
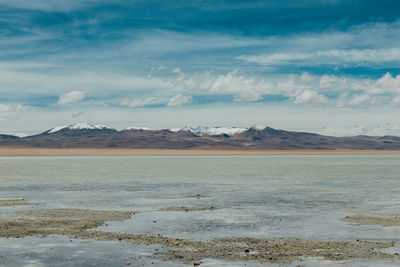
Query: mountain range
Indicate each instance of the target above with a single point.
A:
(256, 137)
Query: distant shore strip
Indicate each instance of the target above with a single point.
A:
(50, 152)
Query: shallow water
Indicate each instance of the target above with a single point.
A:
(258, 196)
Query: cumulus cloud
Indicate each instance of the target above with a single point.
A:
(387, 83)
(245, 88)
(361, 100)
(179, 100)
(310, 98)
(71, 97)
(301, 89)
(7, 107)
(138, 102)
(372, 130)
(357, 100)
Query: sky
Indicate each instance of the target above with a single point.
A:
(325, 66)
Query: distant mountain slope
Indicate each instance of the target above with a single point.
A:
(8, 137)
(99, 136)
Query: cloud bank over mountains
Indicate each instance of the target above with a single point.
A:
(276, 63)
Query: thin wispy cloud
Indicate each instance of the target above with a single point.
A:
(139, 102)
(328, 57)
(179, 100)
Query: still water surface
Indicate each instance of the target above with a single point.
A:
(259, 196)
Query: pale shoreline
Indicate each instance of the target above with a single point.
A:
(54, 152)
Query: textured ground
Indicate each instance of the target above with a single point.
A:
(80, 223)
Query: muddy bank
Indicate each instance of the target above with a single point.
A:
(186, 209)
(57, 221)
(16, 202)
(371, 220)
(281, 250)
(77, 223)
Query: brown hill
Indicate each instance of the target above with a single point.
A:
(252, 138)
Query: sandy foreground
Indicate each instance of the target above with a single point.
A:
(31, 152)
(82, 224)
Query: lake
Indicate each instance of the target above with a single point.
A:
(260, 196)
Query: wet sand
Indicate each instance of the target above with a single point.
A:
(15, 151)
(80, 223)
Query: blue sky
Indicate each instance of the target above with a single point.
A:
(327, 66)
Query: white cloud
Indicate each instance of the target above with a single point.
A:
(341, 100)
(327, 57)
(46, 5)
(380, 42)
(361, 100)
(71, 97)
(177, 70)
(304, 88)
(371, 130)
(179, 100)
(138, 102)
(245, 88)
(18, 79)
(358, 100)
(154, 70)
(310, 98)
(7, 107)
(386, 83)
(396, 100)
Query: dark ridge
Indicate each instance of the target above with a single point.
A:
(252, 138)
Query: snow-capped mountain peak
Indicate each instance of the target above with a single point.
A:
(196, 129)
(215, 130)
(78, 126)
(258, 127)
(138, 128)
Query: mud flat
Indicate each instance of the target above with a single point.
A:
(55, 221)
(371, 220)
(79, 223)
